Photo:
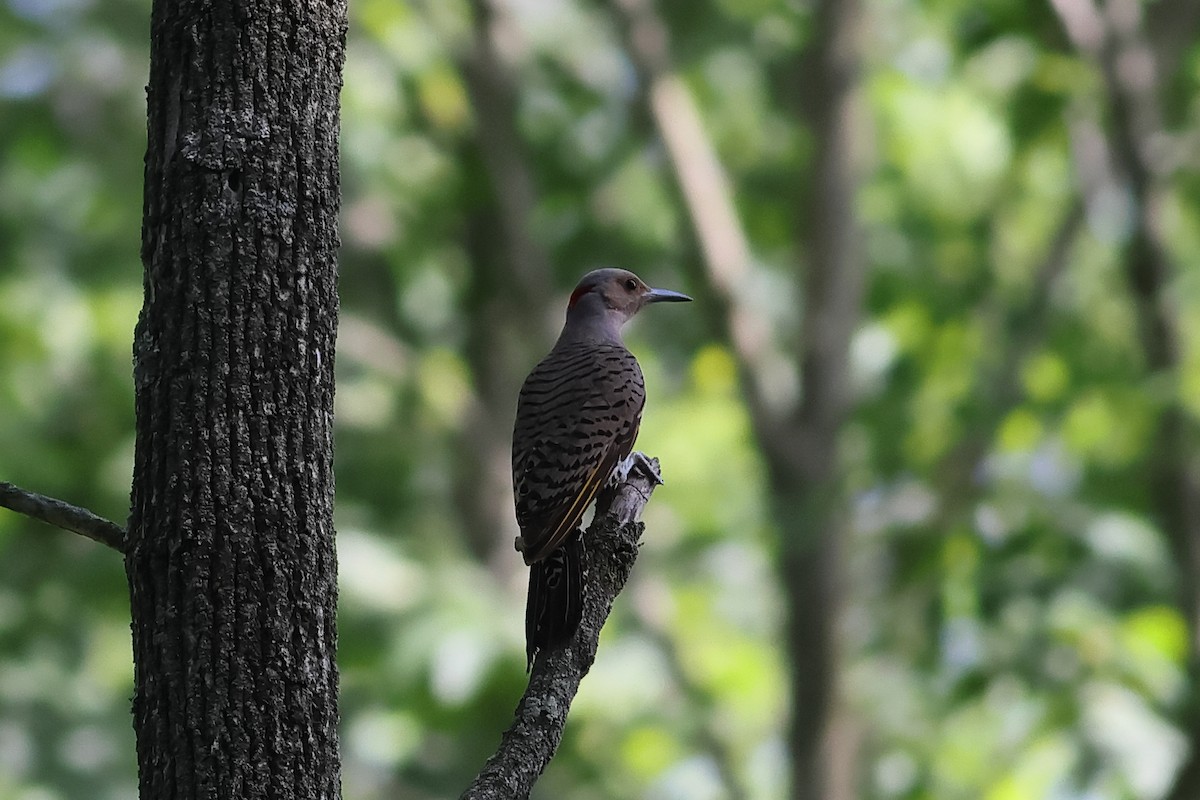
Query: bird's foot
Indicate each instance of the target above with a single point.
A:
(636, 460)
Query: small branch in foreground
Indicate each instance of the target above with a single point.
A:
(530, 742)
(62, 515)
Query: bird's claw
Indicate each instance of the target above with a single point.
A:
(637, 460)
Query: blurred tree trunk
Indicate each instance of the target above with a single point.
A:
(798, 437)
(510, 281)
(1137, 50)
(230, 553)
(809, 498)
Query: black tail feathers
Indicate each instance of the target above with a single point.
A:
(555, 603)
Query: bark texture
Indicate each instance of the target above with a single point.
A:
(62, 515)
(230, 554)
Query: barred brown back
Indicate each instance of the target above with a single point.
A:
(577, 418)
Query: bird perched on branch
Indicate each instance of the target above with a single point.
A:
(577, 419)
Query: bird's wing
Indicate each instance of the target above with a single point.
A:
(573, 428)
(554, 530)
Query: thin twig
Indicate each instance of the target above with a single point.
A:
(531, 741)
(62, 515)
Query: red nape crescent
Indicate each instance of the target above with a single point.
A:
(579, 292)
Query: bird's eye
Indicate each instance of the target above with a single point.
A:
(631, 285)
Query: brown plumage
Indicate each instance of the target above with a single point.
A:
(577, 418)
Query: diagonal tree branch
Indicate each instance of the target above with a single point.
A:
(532, 739)
(705, 190)
(62, 515)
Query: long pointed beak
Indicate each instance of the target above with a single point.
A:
(666, 296)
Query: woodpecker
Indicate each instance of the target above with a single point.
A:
(578, 415)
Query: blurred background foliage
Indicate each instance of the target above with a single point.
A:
(1015, 614)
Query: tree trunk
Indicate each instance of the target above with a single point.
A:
(799, 441)
(806, 472)
(230, 552)
(509, 275)
(1113, 36)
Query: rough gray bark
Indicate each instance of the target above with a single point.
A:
(611, 547)
(230, 554)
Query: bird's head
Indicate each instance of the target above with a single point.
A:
(615, 295)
